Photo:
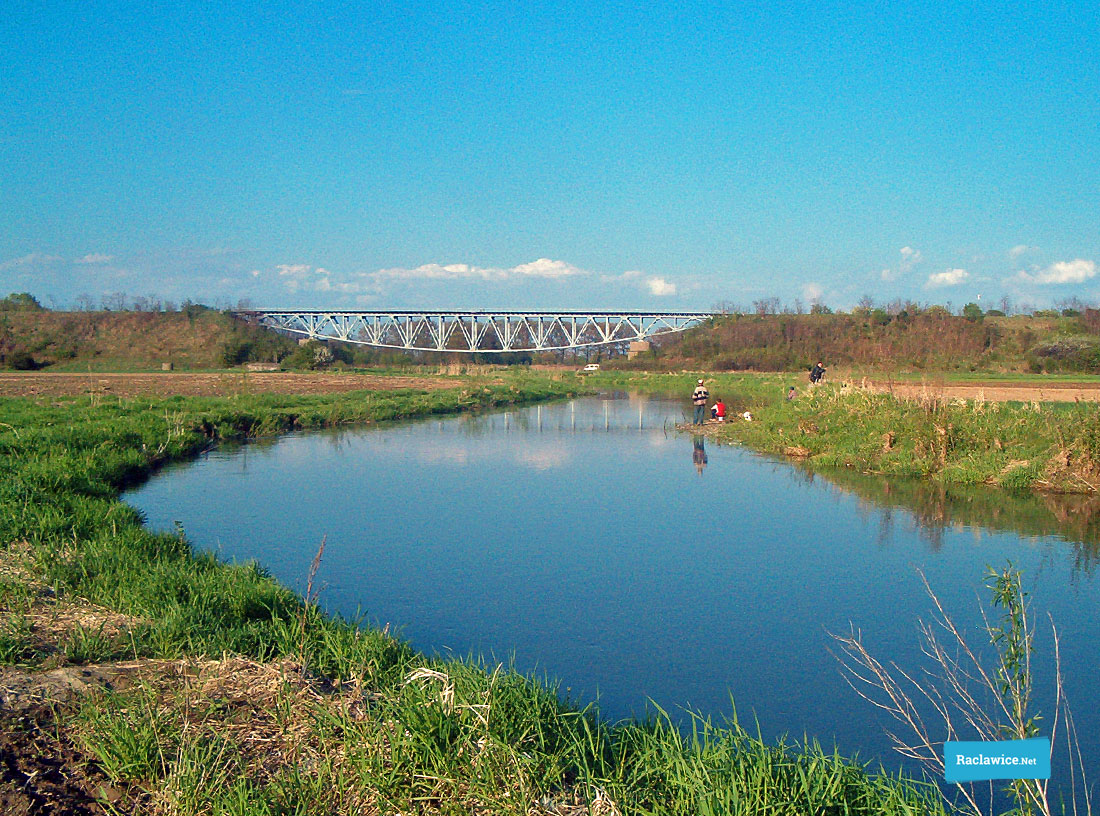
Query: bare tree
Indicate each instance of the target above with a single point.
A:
(114, 302)
(1071, 304)
(84, 302)
(799, 307)
(766, 306)
(1006, 304)
(866, 304)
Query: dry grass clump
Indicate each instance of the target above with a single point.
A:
(198, 734)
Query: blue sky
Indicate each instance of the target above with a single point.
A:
(553, 156)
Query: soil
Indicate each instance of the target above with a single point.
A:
(992, 391)
(50, 384)
(42, 776)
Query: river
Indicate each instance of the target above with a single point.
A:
(591, 542)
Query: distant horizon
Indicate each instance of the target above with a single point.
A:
(773, 306)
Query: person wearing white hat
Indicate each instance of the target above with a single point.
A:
(699, 399)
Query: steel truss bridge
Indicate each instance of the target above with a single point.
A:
(485, 332)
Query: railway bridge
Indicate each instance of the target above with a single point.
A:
(474, 331)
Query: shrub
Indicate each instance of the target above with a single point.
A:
(972, 312)
(1073, 353)
(20, 302)
(236, 351)
(20, 360)
(313, 355)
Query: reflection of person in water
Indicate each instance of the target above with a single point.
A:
(698, 454)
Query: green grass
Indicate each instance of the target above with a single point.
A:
(466, 739)
(1019, 446)
(458, 738)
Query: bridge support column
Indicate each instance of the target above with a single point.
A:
(637, 347)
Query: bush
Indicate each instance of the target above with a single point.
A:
(972, 312)
(236, 351)
(313, 355)
(20, 360)
(1074, 353)
(20, 302)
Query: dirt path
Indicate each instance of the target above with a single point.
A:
(45, 384)
(993, 391)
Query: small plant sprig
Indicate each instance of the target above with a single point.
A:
(968, 699)
(309, 601)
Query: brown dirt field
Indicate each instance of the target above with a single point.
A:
(995, 391)
(49, 384)
(44, 775)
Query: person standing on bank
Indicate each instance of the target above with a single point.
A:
(817, 373)
(699, 399)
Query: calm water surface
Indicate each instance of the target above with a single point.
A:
(600, 547)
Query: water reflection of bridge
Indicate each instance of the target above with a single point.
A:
(471, 332)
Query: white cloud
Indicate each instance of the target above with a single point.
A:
(1021, 249)
(302, 276)
(293, 270)
(910, 257)
(95, 258)
(33, 259)
(812, 292)
(541, 268)
(1076, 271)
(368, 286)
(546, 268)
(949, 277)
(659, 287)
(654, 285)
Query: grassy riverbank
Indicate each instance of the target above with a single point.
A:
(1023, 446)
(152, 678)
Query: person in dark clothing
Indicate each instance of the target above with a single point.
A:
(817, 372)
